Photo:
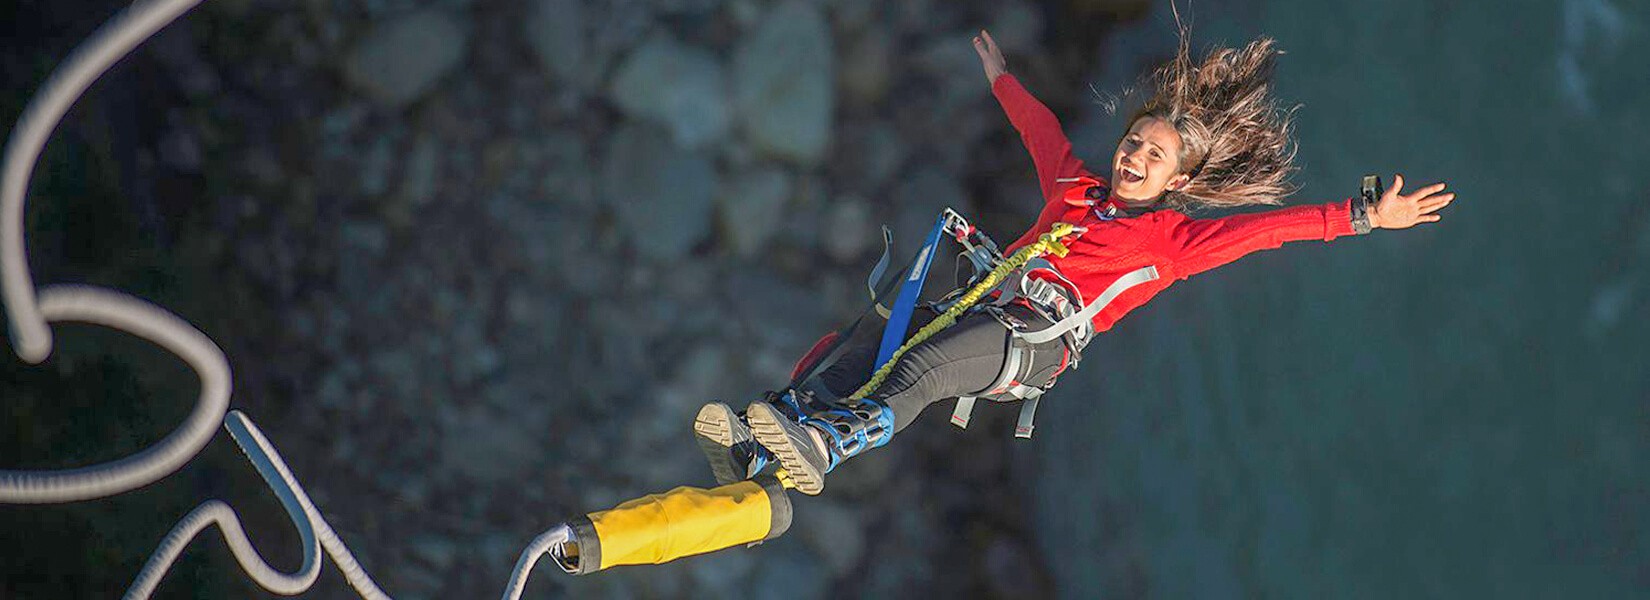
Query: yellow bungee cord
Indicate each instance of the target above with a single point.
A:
(1048, 243)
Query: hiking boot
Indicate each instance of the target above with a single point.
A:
(814, 444)
(799, 448)
(726, 441)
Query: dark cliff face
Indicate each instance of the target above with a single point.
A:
(473, 292)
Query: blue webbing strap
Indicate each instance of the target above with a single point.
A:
(900, 314)
(899, 317)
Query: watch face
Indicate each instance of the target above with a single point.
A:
(1370, 188)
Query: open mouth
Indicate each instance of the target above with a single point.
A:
(1130, 175)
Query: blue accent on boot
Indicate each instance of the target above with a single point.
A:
(753, 456)
(850, 431)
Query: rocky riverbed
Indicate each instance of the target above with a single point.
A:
(476, 264)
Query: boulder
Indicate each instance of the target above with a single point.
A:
(403, 58)
(677, 85)
(662, 196)
(782, 84)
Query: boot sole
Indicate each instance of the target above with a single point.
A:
(713, 430)
(766, 426)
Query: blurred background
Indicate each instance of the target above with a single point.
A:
(476, 263)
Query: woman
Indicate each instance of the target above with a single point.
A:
(1210, 136)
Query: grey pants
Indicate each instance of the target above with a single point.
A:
(961, 360)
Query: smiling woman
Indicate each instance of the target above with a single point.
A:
(1210, 136)
(1230, 142)
(1148, 161)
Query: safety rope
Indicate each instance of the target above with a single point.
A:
(1047, 243)
(31, 310)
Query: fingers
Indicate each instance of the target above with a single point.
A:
(1397, 184)
(1427, 191)
(1433, 203)
(986, 46)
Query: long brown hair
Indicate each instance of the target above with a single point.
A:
(1236, 143)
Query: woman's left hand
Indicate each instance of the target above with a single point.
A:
(1400, 211)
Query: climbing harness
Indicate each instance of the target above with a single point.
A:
(996, 282)
(1035, 286)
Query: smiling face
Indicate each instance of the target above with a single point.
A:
(1147, 162)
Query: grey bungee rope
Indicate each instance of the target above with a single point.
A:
(30, 310)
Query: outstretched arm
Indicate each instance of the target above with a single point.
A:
(1197, 245)
(1038, 127)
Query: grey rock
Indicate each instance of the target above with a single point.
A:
(781, 315)
(868, 476)
(555, 29)
(853, 15)
(955, 69)
(923, 16)
(177, 49)
(487, 445)
(180, 149)
(806, 211)
(337, 125)
(678, 85)
(698, 376)
(434, 550)
(576, 41)
(262, 167)
(782, 84)
(685, 6)
(405, 57)
(1010, 569)
(919, 199)
(867, 67)
(568, 181)
(852, 229)
(877, 154)
(1016, 25)
(833, 531)
(395, 370)
(786, 572)
(753, 206)
(722, 574)
(418, 179)
(663, 197)
(364, 236)
(376, 165)
(744, 12)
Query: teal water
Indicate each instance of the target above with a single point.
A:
(1459, 410)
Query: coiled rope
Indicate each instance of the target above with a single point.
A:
(29, 311)
(1047, 243)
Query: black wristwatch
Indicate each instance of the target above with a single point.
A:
(1368, 194)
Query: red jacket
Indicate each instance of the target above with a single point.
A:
(1179, 246)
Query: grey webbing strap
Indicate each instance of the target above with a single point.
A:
(1023, 391)
(1133, 278)
(877, 271)
(1028, 413)
(965, 407)
(1011, 367)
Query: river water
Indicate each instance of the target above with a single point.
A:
(1457, 410)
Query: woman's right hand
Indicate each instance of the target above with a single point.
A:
(990, 57)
